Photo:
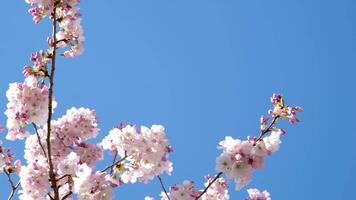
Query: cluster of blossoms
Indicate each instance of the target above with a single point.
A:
(68, 16)
(68, 147)
(240, 158)
(39, 69)
(92, 186)
(146, 151)
(255, 194)
(186, 191)
(6, 158)
(217, 191)
(74, 158)
(281, 111)
(71, 31)
(6, 161)
(28, 103)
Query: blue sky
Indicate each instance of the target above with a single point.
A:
(206, 69)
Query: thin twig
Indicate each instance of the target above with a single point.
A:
(164, 188)
(13, 186)
(115, 163)
(67, 195)
(9, 178)
(210, 184)
(62, 177)
(268, 129)
(11, 196)
(50, 196)
(39, 140)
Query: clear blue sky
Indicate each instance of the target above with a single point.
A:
(206, 69)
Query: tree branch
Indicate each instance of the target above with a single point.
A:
(11, 196)
(39, 140)
(52, 175)
(13, 186)
(67, 195)
(162, 185)
(62, 177)
(209, 185)
(268, 129)
(115, 163)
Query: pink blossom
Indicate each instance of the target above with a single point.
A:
(28, 103)
(147, 150)
(255, 194)
(217, 191)
(91, 186)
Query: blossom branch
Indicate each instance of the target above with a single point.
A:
(13, 191)
(268, 129)
(50, 196)
(62, 177)
(39, 140)
(67, 195)
(163, 187)
(52, 175)
(13, 186)
(115, 163)
(210, 184)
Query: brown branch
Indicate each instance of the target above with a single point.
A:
(62, 177)
(13, 186)
(62, 40)
(67, 195)
(268, 129)
(50, 196)
(39, 140)
(115, 163)
(162, 185)
(52, 175)
(210, 184)
(11, 196)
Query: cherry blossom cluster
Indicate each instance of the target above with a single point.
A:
(40, 9)
(40, 61)
(147, 152)
(217, 191)
(92, 186)
(281, 111)
(74, 158)
(241, 157)
(6, 158)
(68, 147)
(186, 191)
(28, 103)
(71, 31)
(255, 194)
(68, 17)
(34, 181)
